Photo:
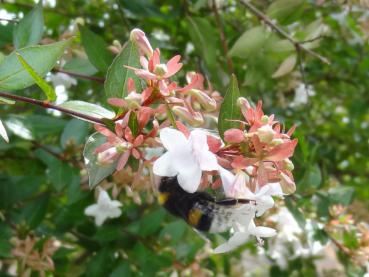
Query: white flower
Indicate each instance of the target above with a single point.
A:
(105, 208)
(185, 158)
(242, 234)
(235, 186)
(302, 94)
(265, 133)
(62, 79)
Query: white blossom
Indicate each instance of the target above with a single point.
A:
(185, 158)
(104, 208)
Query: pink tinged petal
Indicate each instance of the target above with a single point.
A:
(181, 127)
(117, 102)
(282, 151)
(138, 141)
(163, 88)
(131, 85)
(189, 178)
(173, 66)
(214, 143)
(291, 131)
(104, 131)
(103, 147)
(234, 136)
(262, 176)
(123, 160)
(154, 60)
(128, 134)
(139, 37)
(241, 162)
(3, 132)
(144, 116)
(164, 166)
(172, 139)
(145, 74)
(136, 153)
(146, 93)
(144, 62)
(119, 129)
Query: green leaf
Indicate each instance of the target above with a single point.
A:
(250, 42)
(42, 58)
(80, 66)
(36, 210)
(229, 109)
(133, 124)
(99, 264)
(46, 88)
(30, 29)
(285, 67)
(96, 172)
(74, 133)
(285, 11)
(341, 195)
(96, 49)
(174, 231)
(123, 269)
(88, 109)
(118, 75)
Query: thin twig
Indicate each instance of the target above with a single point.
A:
(280, 31)
(222, 37)
(48, 105)
(78, 75)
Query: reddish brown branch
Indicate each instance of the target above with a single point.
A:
(222, 37)
(78, 75)
(48, 105)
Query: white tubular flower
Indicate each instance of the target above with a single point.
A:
(185, 158)
(104, 208)
(242, 234)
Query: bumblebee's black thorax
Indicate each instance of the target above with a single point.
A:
(197, 209)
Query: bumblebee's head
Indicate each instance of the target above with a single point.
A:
(168, 184)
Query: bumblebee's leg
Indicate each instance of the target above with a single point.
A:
(227, 202)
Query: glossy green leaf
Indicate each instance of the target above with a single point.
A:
(74, 133)
(229, 109)
(123, 269)
(118, 75)
(96, 49)
(41, 58)
(30, 29)
(96, 172)
(88, 109)
(341, 195)
(46, 88)
(35, 211)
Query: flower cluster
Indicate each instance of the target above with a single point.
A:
(251, 162)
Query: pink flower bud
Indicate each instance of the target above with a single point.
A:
(243, 103)
(288, 164)
(287, 184)
(208, 103)
(234, 136)
(137, 36)
(194, 119)
(133, 100)
(265, 133)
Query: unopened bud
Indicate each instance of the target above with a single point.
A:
(134, 100)
(265, 119)
(122, 147)
(243, 103)
(265, 133)
(287, 184)
(288, 164)
(194, 119)
(208, 103)
(138, 36)
(160, 69)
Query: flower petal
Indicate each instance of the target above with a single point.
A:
(235, 241)
(91, 210)
(189, 178)
(164, 167)
(172, 139)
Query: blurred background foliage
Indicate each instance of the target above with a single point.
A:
(43, 183)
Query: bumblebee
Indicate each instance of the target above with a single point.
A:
(200, 210)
